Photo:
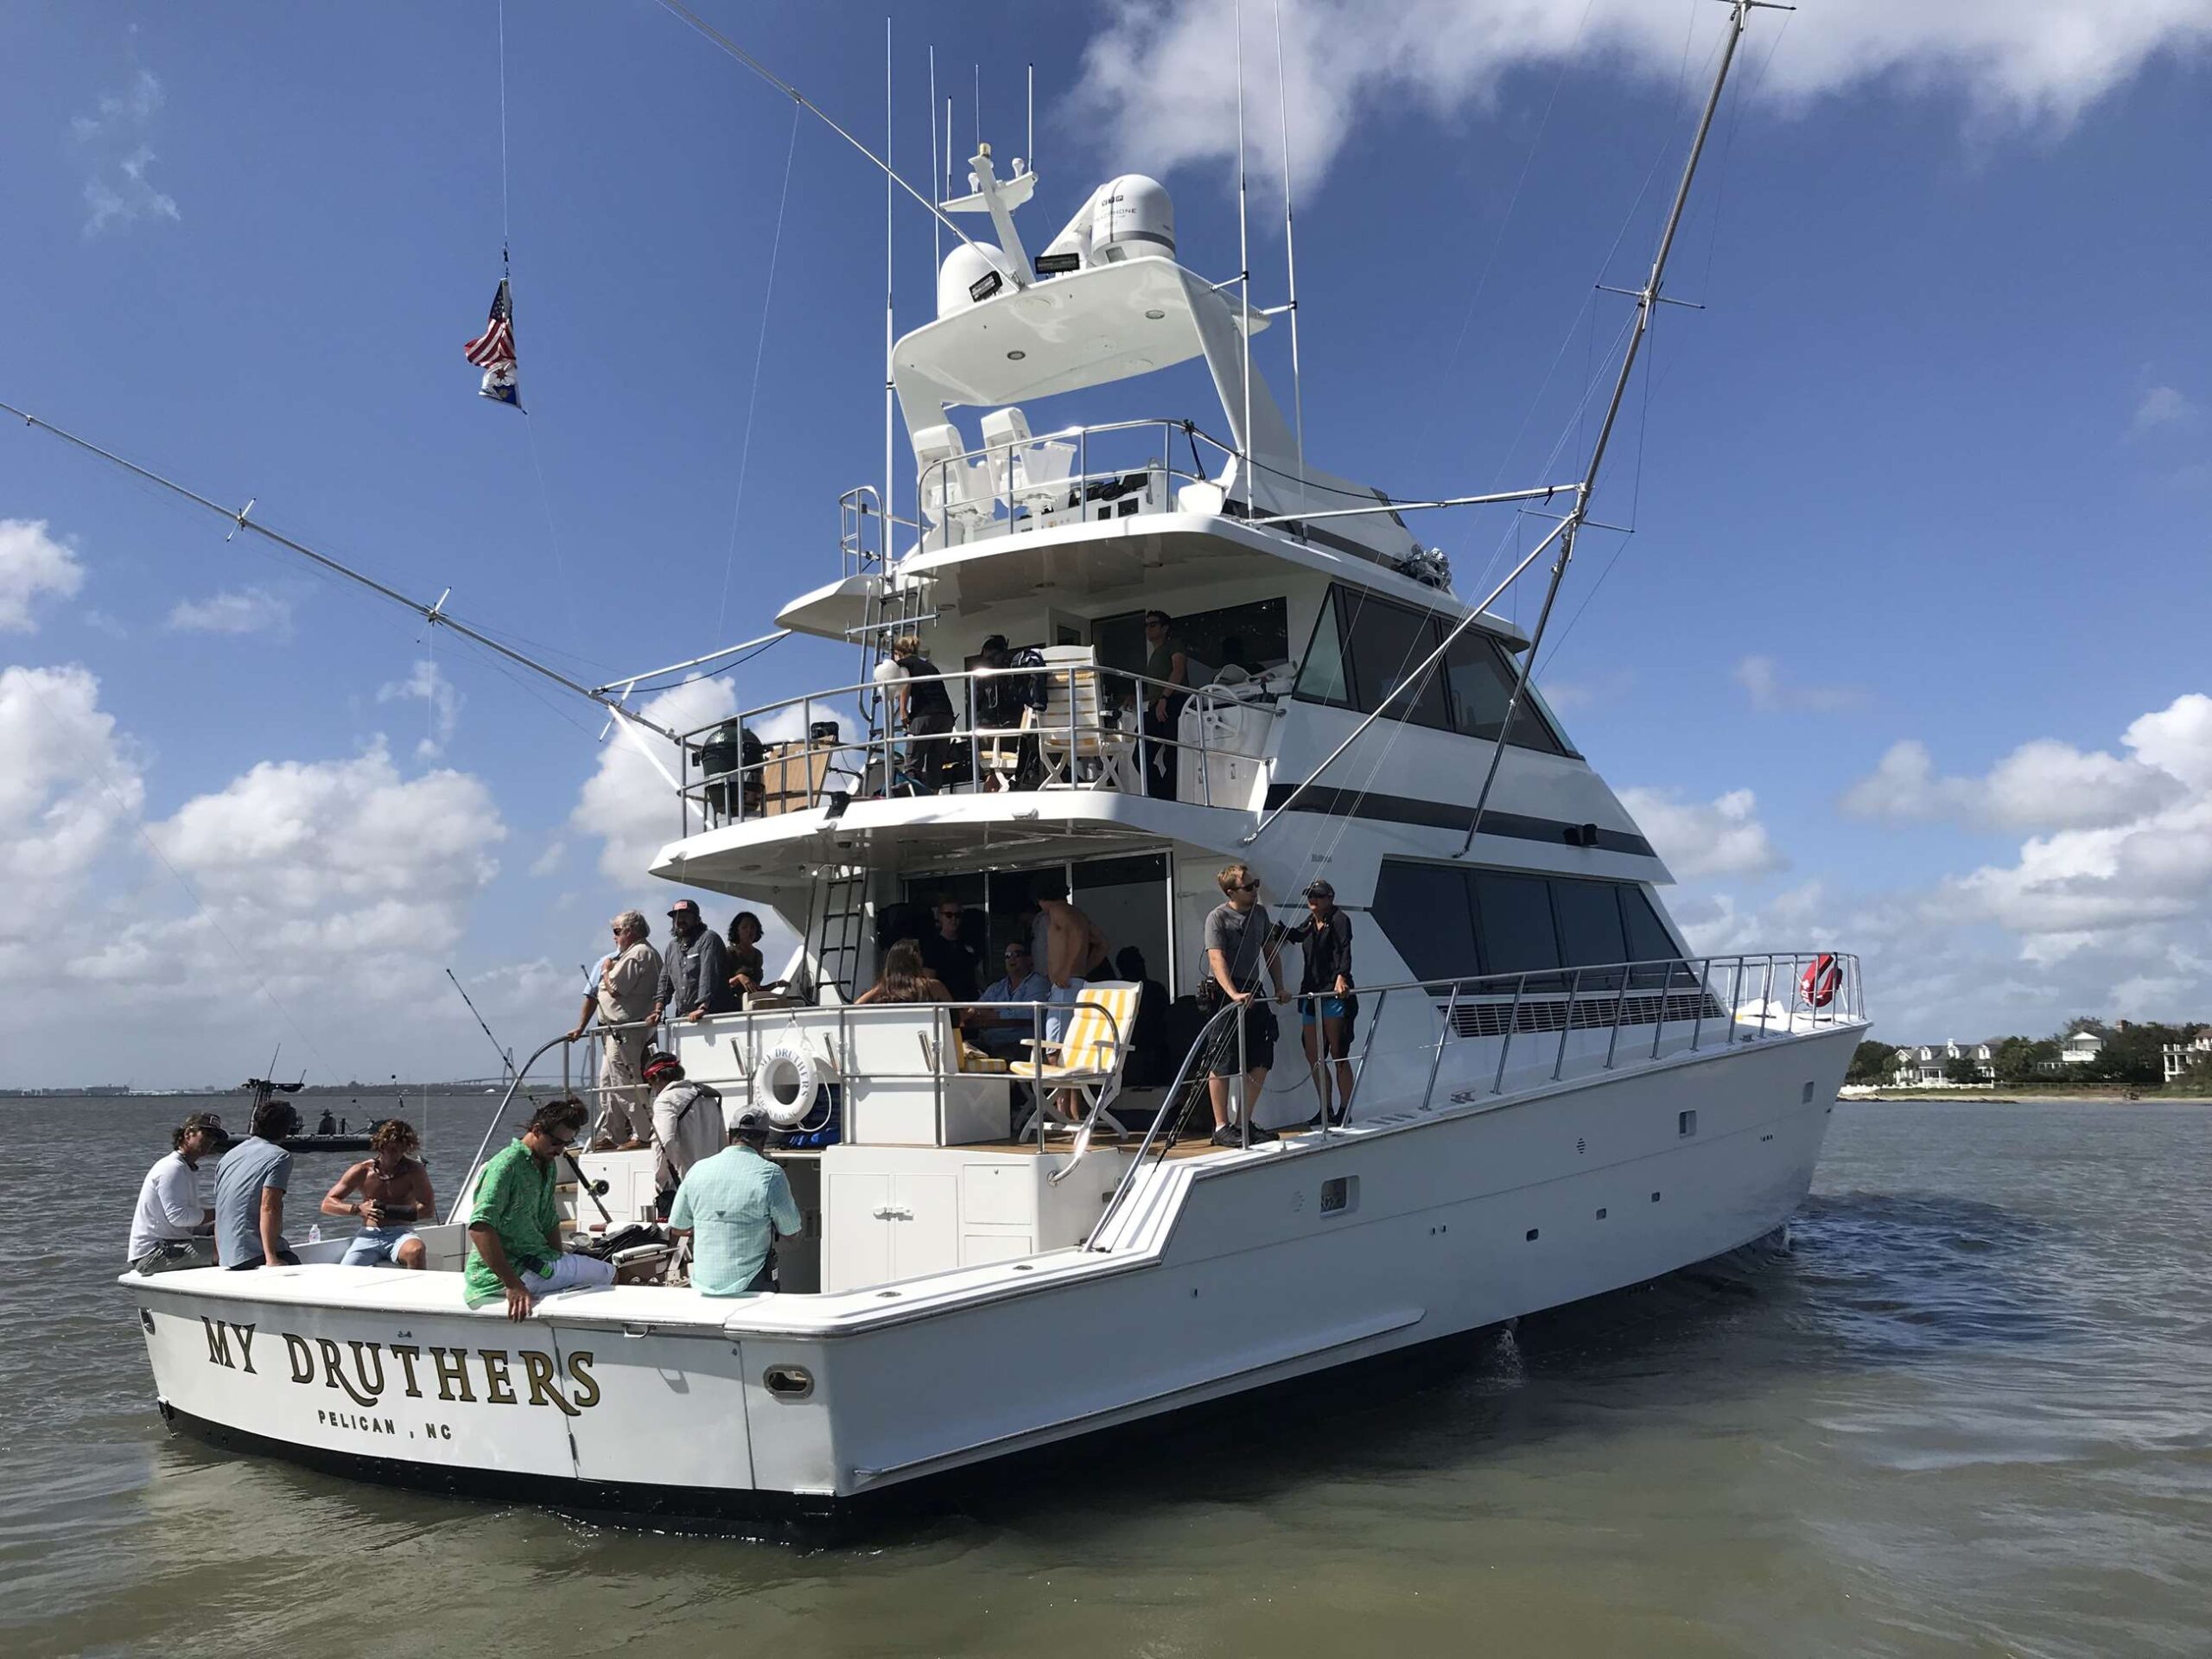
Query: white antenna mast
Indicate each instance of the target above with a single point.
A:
(937, 197)
(1032, 151)
(1290, 257)
(889, 384)
(1244, 272)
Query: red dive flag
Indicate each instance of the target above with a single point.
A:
(493, 351)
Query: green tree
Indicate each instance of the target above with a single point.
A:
(2196, 1078)
(2133, 1055)
(1961, 1068)
(1873, 1063)
(2021, 1059)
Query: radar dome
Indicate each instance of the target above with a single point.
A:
(967, 266)
(1132, 218)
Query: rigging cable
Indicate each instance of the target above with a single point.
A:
(759, 350)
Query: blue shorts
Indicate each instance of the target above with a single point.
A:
(374, 1246)
(1330, 1007)
(1063, 997)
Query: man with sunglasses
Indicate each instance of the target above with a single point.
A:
(621, 994)
(514, 1228)
(1240, 945)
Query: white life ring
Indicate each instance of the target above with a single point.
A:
(786, 1081)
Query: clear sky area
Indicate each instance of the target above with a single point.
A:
(1907, 654)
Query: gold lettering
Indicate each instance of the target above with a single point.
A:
(244, 1334)
(586, 1386)
(301, 1355)
(452, 1368)
(408, 1355)
(219, 1343)
(498, 1389)
(361, 1369)
(537, 1370)
(334, 1373)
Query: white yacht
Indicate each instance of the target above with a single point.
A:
(1554, 1096)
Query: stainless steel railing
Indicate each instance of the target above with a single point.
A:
(1064, 477)
(1703, 1001)
(1077, 726)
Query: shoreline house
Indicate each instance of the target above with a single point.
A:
(2075, 1048)
(1927, 1065)
(2179, 1056)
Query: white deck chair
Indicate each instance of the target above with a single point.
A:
(1073, 729)
(1088, 1059)
(953, 490)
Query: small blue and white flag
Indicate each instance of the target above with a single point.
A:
(493, 351)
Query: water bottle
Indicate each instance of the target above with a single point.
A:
(314, 1232)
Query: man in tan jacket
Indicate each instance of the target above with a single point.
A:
(628, 978)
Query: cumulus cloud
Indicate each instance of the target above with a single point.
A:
(2111, 914)
(2042, 784)
(625, 802)
(1722, 836)
(426, 684)
(68, 785)
(2161, 406)
(250, 610)
(1156, 77)
(112, 141)
(33, 565)
(1772, 693)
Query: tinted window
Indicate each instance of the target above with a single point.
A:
(1647, 934)
(1589, 921)
(1422, 910)
(1481, 676)
(1321, 675)
(1252, 636)
(1388, 642)
(1516, 916)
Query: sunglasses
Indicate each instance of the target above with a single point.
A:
(1246, 886)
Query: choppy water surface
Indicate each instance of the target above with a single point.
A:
(1968, 1411)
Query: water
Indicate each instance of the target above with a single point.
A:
(1968, 1412)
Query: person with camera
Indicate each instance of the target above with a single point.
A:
(389, 1191)
(1240, 946)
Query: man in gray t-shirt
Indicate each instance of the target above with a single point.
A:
(1240, 946)
(250, 1191)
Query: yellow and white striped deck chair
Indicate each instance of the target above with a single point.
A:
(1088, 1058)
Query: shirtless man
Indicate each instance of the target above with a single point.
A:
(1076, 952)
(389, 1191)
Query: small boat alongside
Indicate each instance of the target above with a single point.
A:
(1551, 1095)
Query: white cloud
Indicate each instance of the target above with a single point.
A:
(114, 147)
(2161, 406)
(427, 683)
(2109, 911)
(1157, 77)
(1722, 836)
(625, 802)
(68, 785)
(549, 861)
(1772, 693)
(2042, 784)
(33, 564)
(250, 610)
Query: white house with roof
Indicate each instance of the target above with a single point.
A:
(1927, 1065)
(2179, 1056)
(2081, 1048)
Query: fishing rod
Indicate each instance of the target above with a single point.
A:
(590, 1188)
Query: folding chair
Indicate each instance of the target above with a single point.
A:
(1088, 1058)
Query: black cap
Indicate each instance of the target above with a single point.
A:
(996, 642)
(1317, 888)
(684, 907)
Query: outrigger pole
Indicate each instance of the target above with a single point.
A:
(436, 616)
(1647, 300)
(1564, 533)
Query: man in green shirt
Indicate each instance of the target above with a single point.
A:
(733, 1205)
(514, 1228)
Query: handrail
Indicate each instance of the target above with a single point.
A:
(868, 760)
(514, 1083)
(1198, 1046)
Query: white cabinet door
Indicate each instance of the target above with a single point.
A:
(925, 1233)
(857, 1213)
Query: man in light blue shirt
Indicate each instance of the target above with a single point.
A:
(1000, 1035)
(733, 1206)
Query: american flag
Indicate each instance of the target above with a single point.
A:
(493, 351)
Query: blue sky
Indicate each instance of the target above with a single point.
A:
(1932, 468)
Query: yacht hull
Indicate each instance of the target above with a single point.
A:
(1237, 1273)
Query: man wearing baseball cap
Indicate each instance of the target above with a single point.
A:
(694, 970)
(733, 1206)
(687, 1123)
(171, 1228)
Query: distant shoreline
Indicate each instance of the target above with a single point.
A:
(2028, 1097)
